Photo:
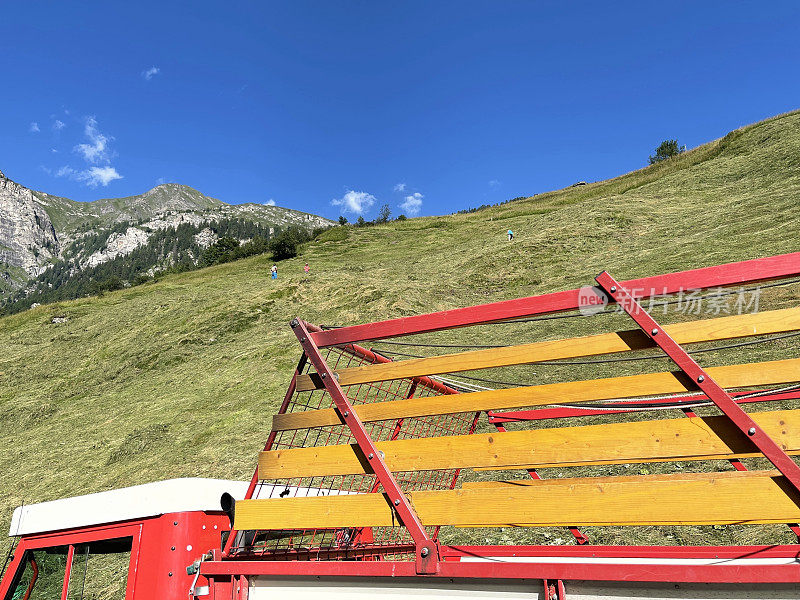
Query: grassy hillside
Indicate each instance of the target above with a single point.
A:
(180, 377)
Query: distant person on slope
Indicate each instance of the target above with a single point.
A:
(274, 271)
(510, 235)
(307, 269)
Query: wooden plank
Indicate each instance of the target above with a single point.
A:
(595, 463)
(510, 483)
(668, 439)
(731, 376)
(735, 326)
(693, 499)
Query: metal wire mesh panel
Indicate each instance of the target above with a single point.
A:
(376, 543)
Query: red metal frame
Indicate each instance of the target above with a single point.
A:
(761, 269)
(627, 406)
(427, 558)
(70, 539)
(600, 563)
(270, 440)
(686, 572)
(161, 549)
(67, 572)
(749, 428)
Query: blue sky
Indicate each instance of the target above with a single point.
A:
(329, 107)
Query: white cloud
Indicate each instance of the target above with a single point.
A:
(412, 204)
(399, 187)
(355, 202)
(96, 150)
(59, 125)
(100, 176)
(34, 128)
(53, 150)
(149, 73)
(494, 184)
(269, 202)
(93, 176)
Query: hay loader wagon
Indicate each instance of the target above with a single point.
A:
(374, 464)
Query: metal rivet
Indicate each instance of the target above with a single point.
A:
(654, 332)
(751, 431)
(324, 375)
(397, 502)
(371, 456)
(346, 414)
(613, 289)
(701, 379)
(424, 552)
(294, 323)
(174, 522)
(170, 573)
(173, 548)
(302, 340)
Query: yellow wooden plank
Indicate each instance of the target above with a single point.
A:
(667, 439)
(735, 326)
(731, 376)
(593, 463)
(509, 483)
(695, 499)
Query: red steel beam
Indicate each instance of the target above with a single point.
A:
(761, 269)
(519, 416)
(427, 557)
(579, 536)
(493, 570)
(67, 572)
(267, 446)
(721, 552)
(749, 428)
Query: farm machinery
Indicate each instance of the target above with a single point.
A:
(380, 464)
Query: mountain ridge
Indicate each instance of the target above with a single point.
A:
(36, 227)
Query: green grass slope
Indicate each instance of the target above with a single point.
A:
(181, 377)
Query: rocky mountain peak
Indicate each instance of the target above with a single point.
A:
(28, 239)
(37, 229)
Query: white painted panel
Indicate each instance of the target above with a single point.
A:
(136, 502)
(141, 501)
(264, 588)
(579, 590)
(364, 588)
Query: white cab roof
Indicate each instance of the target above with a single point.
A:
(137, 502)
